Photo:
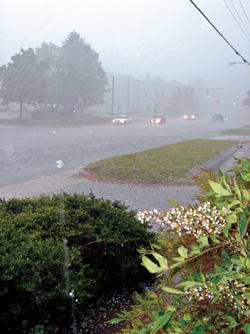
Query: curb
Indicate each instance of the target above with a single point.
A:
(215, 163)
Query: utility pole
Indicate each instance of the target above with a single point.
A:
(128, 95)
(112, 97)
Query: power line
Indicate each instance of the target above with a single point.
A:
(237, 22)
(238, 54)
(236, 11)
(244, 11)
(242, 25)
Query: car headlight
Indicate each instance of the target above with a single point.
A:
(157, 120)
(185, 116)
(122, 120)
(113, 121)
(192, 116)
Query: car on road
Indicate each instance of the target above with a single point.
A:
(189, 117)
(121, 120)
(156, 120)
(219, 118)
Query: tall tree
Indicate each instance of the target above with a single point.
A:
(50, 53)
(22, 79)
(81, 77)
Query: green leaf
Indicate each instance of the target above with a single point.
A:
(203, 241)
(172, 290)
(214, 239)
(247, 328)
(243, 224)
(189, 284)
(232, 321)
(218, 189)
(161, 322)
(156, 246)
(225, 254)
(245, 177)
(237, 190)
(224, 182)
(176, 330)
(171, 308)
(246, 194)
(183, 251)
(179, 259)
(233, 203)
(174, 203)
(246, 280)
(114, 320)
(237, 237)
(245, 165)
(194, 250)
(187, 317)
(150, 265)
(162, 261)
(231, 219)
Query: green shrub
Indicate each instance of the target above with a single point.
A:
(203, 259)
(62, 253)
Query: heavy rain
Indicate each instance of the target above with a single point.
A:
(85, 81)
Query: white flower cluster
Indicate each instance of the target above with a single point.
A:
(202, 293)
(203, 220)
(231, 294)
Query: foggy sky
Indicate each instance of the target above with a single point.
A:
(166, 38)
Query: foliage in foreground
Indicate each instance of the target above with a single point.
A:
(203, 260)
(61, 255)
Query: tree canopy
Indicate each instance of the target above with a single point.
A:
(80, 74)
(68, 75)
(22, 79)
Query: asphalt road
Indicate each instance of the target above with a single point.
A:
(31, 152)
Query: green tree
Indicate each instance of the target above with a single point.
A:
(81, 78)
(50, 53)
(22, 79)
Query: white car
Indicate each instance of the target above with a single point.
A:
(189, 117)
(121, 120)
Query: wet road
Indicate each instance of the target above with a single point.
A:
(30, 152)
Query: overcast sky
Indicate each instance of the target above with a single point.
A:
(167, 38)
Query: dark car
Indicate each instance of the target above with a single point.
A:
(157, 120)
(189, 117)
(219, 118)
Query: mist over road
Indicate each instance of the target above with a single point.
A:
(30, 152)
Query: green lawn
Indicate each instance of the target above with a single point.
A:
(86, 120)
(164, 165)
(238, 132)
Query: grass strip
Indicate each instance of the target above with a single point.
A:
(238, 132)
(163, 165)
(84, 121)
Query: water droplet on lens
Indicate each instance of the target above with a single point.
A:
(72, 293)
(59, 163)
(8, 150)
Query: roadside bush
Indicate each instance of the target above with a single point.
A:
(61, 254)
(203, 259)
